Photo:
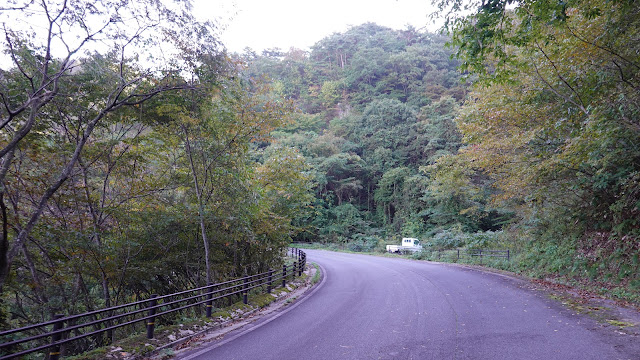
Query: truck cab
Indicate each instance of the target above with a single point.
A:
(413, 242)
(408, 245)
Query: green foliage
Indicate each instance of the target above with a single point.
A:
(131, 181)
(456, 238)
(552, 125)
(483, 240)
(363, 243)
(449, 239)
(388, 100)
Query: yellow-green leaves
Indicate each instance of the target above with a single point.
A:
(554, 120)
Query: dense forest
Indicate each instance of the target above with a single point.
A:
(376, 110)
(554, 122)
(518, 132)
(126, 173)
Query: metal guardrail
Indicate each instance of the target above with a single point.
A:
(114, 317)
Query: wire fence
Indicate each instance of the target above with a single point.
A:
(50, 336)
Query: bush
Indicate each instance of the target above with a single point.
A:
(421, 255)
(449, 239)
(455, 238)
(363, 243)
(483, 240)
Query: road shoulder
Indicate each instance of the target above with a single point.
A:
(203, 341)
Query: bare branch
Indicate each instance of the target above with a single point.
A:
(23, 131)
(52, 22)
(622, 77)
(18, 7)
(12, 52)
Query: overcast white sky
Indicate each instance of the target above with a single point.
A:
(263, 24)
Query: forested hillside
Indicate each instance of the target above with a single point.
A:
(535, 151)
(376, 110)
(137, 156)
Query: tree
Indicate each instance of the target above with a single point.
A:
(385, 123)
(56, 62)
(555, 118)
(372, 100)
(215, 140)
(388, 195)
(284, 185)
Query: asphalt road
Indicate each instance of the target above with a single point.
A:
(382, 308)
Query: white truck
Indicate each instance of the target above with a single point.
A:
(408, 245)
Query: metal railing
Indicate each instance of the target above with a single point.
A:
(487, 253)
(457, 254)
(70, 328)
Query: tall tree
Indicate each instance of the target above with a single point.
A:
(215, 138)
(53, 63)
(555, 118)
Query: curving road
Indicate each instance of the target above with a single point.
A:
(382, 308)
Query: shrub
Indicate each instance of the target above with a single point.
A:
(449, 239)
(363, 243)
(483, 239)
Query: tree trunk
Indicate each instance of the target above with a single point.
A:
(196, 184)
(4, 240)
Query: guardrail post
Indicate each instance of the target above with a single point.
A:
(209, 303)
(507, 254)
(284, 275)
(151, 322)
(54, 353)
(300, 265)
(294, 270)
(245, 295)
(270, 281)
(458, 254)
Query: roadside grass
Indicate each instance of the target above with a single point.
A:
(317, 275)
(587, 287)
